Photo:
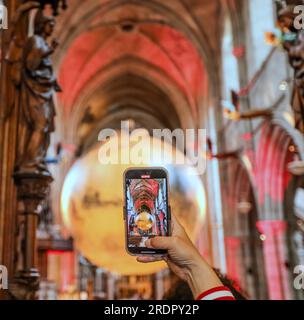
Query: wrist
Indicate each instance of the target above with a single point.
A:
(201, 277)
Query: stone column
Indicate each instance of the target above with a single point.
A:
(110, 286)
(273, 247)
(233, 263)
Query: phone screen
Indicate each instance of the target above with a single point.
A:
(146, 210)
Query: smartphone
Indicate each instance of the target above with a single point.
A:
(146, 210)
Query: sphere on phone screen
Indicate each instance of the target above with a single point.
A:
(144, 221)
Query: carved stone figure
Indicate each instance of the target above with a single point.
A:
(296, 58)
(295, 49)
(38, 85)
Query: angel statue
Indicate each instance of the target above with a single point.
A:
(37, 87)
(295, 50)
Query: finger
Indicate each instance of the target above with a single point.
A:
(165, 243)
(144, 259)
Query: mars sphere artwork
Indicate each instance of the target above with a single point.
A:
(92, 207)
(144, 221)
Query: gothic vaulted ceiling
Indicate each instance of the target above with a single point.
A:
(152, 61)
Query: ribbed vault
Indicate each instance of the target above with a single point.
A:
(141, 60)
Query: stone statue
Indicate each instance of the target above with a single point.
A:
(296, 58)
(37, 86)
(295, 49)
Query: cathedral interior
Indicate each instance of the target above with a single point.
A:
(71, 68)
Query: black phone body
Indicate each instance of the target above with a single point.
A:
(146, 210)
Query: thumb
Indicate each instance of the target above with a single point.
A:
(165, 243)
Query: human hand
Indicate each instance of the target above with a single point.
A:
(183, 259)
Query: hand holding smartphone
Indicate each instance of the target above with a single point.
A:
(146, 210)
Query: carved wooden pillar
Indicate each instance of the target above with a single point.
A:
(31, 191)
(8, 141)
(27, 113)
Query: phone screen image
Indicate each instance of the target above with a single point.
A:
(147, 210)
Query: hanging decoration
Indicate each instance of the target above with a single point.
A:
(234, 154)
(232, 110)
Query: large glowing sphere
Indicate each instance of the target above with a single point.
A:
(92, 207)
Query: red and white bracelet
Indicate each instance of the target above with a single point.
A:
(218, 293)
